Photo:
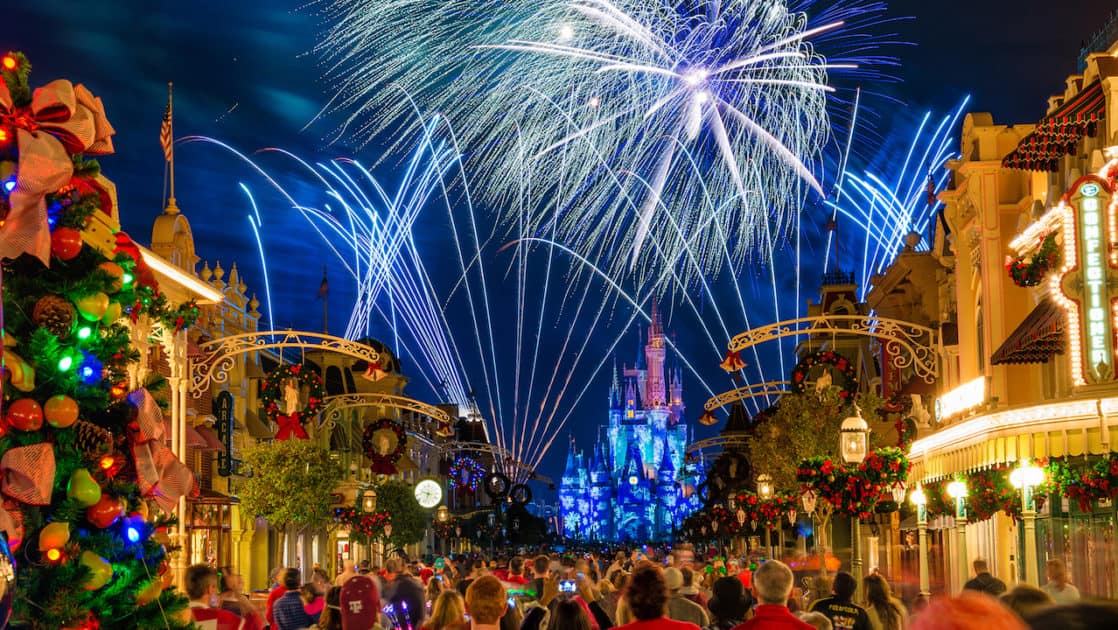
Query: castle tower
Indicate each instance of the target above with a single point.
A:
(666, 494)
(654, 350)
(676, 396)
(601, 505)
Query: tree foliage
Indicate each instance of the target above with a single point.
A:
(807, 424)
(409, 520)
(291, 484)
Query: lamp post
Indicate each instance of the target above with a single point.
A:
(1027, 477)
(958, 490)
(853, 444)
(741, 525)
(808, 500)
(920, 500)
(765, 491)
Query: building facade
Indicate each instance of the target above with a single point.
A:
(1020, 282)
(635, 484)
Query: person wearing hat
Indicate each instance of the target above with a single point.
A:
(679, 607)
(729, 604)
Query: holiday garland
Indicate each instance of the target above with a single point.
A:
(384, 463)
(1083, 484)
(363, 528)
(273, 391)
(445, 530)
(856, 490)
(844, 366)
(1028, 271)
(761, 512)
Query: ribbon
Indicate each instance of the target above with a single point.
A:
(61, 120)
(28, 473)
(11, 523)
(291, 426)
(374, 372)
(159, 474)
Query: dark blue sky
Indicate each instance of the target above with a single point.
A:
(254, 55)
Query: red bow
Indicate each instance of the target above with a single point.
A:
(159, 474)
(291, 426)
(28, 473)
(61, 120)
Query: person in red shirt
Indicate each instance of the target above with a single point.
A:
(772, 584)
(277, 592)
(201, 588)
(647, 596)
(516, 572)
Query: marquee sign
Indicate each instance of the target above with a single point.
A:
(1087, 286)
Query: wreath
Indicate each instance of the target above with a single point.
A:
(845, 368)
(520, 494)
(384, 432)
(466, 472)
(1028, 271)
(497, 485)
(273, 392)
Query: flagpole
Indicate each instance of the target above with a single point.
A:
(171, 111)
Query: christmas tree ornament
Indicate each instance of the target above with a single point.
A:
(105, 512)
(7, 581)
(55, 313)
(90, 622)
(54, 535)
(116, 272)
(61, 411)
(100, 571)
(83, 488)
(93, 305)
(150, 593)
(25, 414)
(21, 373)
(65, 243)
(92, 440)
(112, 313)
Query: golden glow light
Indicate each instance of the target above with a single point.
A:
(918, 497)
(964, 397)
(1027, 474)
(1030, 239)
(206, 294)
(957, 489)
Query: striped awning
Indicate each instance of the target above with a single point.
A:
(1058, 133)
(1037, 338)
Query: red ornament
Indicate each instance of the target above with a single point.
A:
(105, 512)
(25, 414)
(65, 243)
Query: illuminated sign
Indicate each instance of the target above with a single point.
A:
(1085, 284)
(966, 396)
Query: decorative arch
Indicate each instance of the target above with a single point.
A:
(910, 345)
(755, 390)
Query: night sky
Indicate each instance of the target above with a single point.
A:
(244, 74)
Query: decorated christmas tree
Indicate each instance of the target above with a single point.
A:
(88, 482)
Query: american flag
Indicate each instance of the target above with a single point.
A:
(165, 132)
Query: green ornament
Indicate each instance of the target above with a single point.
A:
(83, 488)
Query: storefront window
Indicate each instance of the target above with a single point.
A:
(1086, 544)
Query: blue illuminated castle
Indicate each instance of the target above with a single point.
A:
(634, 485)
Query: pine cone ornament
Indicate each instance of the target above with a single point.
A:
(93, 441)
(54, 313)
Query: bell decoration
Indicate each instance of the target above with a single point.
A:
(374, 372)
(732, 362)
(707, 418)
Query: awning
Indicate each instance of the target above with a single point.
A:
(1058, 133)
(257, 428)
(1037, 338)
(208, 436)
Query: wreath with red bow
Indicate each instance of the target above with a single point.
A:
(843, 366)
(384, 463)
(272, 394)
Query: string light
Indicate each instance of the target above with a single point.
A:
(9, 62)
(107, 462)
(54, 555)
(85, 332)
(65, 363)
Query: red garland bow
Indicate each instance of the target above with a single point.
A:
(159, 474)
(61, 120)
(28, 473)
(291, 426)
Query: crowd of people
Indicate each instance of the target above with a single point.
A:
(635, 591)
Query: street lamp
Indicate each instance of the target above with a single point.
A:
(1028, 476)
(741, 525)
(765, 491)
(920, 500)
(853, 444)
(958, 490)
(369, 500)
(442, 514)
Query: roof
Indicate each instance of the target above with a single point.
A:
(1037, 338)
(1058, 133)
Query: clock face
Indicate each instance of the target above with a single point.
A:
(428, 493)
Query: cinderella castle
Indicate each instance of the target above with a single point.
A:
(635, 484)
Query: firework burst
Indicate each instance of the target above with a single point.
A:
(622, 121)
